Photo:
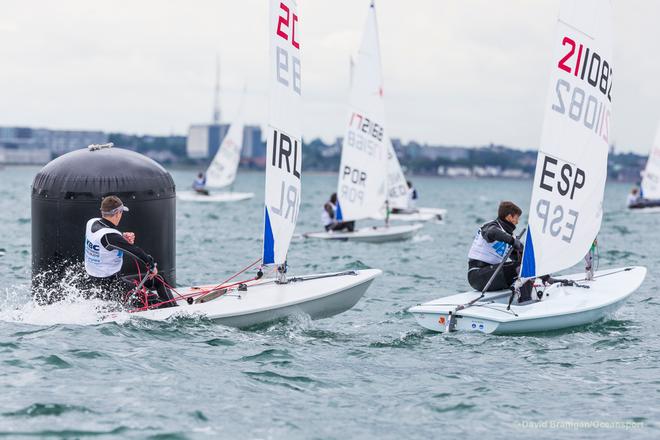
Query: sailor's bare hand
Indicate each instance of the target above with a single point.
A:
(129, 236)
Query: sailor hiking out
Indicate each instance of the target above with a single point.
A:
(411, 201)
(105, 247)
(490, 245)
(199, 185)
(329, 217)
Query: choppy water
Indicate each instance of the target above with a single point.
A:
(370, 372)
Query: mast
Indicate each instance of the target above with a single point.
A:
(216, 94)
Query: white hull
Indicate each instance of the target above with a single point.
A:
(421, 215)
(649, 210)
(213, 197)
(319, 296)
(561, 306)
(375, 234)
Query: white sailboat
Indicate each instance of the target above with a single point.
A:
(273, 296)
(566, 207)
(362, 187)
(649, 197)
(221, 173)
(399, 200)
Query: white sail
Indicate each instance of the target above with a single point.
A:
(651, 178)
(222, 170)
(397, 187)
(566, 207)
(361, 188)
(284, 135)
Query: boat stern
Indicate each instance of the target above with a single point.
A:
(437, 318)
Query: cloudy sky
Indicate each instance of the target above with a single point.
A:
(457, 72)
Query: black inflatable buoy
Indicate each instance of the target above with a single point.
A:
(68, 191)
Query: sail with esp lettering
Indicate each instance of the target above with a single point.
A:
(567, 197)
(284, 133)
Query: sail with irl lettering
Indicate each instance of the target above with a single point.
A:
(283, 136)
(271, 293)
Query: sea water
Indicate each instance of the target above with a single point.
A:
(371, 372)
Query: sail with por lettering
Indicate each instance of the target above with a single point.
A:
(651, 177)
(222, 170)
(284, 133)
(362, 183)
(567, 198)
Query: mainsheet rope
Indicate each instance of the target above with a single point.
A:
(197, 293)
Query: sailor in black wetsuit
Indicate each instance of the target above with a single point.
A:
(329, 217)
(104, 250)
(490, 244)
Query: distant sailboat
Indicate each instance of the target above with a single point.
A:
(399, 200)
(221, 173)
(649, 197)
(362, 187)
(272, 294)
(567, 197)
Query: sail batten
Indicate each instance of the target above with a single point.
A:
(566, 209)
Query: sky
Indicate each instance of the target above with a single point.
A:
(456, 72)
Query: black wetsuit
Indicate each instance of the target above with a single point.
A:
(480, 272)
(337, 225)
(117, 285)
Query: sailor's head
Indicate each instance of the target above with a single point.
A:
(634, 191)
(409, 183)
(200, 175)
(112, 208)
(509, 212)
(333, 198)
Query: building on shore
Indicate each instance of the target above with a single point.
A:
(27, 145)
(204, 140)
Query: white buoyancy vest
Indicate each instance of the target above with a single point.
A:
(491, 253)
(412, 199)
(632, 199)
(325, 217)
(100, 262)
(199, 183)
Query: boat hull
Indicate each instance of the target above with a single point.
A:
(421, 215)
(319, 296)
(561, 306)
(380, 234)
(214, 197)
